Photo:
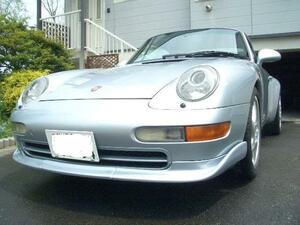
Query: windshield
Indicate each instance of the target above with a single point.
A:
(185, 43)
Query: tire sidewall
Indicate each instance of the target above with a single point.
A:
(249, 169)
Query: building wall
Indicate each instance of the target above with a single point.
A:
(225, 13)
(137, 20)
(71, 5)
(276, 16)
(255, 17)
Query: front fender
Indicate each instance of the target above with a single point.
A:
(236, 84)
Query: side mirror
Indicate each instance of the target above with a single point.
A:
(268, 55)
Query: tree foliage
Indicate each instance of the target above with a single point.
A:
(21, 48)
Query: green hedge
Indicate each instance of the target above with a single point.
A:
(12, 87)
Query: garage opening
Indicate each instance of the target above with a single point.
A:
(287, 71)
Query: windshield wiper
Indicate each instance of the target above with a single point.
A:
(204, 54)
(216, 53)
(159, 60)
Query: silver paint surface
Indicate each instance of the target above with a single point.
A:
(139, 95)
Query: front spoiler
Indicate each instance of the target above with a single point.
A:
(179, 171)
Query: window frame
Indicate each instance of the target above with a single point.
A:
(99, 10)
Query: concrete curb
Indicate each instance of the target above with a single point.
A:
(7, 142)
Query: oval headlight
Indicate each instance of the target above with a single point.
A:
(197, 83)
(35, 90)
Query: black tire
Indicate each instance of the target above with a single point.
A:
(249, 164)
(274, 128)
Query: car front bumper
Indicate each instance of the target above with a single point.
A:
(180, 171)
(113, 124)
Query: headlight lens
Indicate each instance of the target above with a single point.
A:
(197, 83)
(34, 90)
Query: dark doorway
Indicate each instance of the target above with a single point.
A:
(287, 71)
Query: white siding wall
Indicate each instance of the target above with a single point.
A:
(137, 20)
(225, 13)
(276, 16)
(251, 16)
(71, 5)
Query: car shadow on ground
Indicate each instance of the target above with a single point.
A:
(120, 199)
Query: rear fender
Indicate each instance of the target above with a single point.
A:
(273, 98)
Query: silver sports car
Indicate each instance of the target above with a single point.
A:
(187, 106)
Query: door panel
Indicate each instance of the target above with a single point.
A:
(96, 14)
(96, 11)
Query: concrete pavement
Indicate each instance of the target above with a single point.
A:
(36, 197)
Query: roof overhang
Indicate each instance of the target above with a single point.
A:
(280, 41)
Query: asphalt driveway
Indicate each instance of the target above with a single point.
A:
(34, 197)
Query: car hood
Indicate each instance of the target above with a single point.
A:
(135, 81)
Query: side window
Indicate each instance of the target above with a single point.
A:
(252, 49)
(241, 46)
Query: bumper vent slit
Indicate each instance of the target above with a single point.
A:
(123, 158)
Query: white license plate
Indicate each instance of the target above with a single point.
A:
(78, 145)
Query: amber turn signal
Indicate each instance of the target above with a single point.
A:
(206, 132)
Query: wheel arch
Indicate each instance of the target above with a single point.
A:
(259, 88)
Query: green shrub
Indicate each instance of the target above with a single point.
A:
(21, 49)
(12, 87)
(5, 128)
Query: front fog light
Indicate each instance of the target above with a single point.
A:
(19, 128)
(160, 134)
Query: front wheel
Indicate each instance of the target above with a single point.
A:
(253, 138)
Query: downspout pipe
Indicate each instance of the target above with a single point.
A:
(83, 15)
(39, 14)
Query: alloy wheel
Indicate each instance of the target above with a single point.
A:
(255, 132)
